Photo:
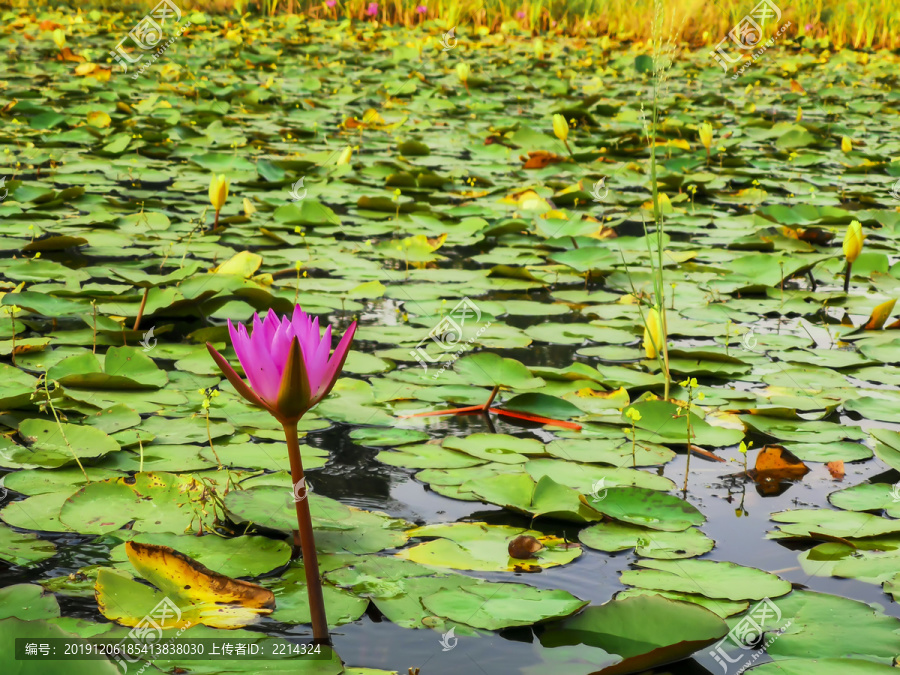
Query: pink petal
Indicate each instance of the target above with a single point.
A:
(317, 361)
(335, 364)
(263, 374)
(238, 341)
(270, 324)
(239, 385)
(281, 344)
(302, 329)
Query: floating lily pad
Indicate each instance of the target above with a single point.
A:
(635, 634)
(482, 547)
(501, 605)
(23, 548)
(706, 577)
(648, 508)
(49, 444)
(648, 543)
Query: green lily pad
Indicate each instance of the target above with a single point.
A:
(709, 578)
(635, 634)
(156, 502)
(869, 497)
(490, 370)
(484, 548)
(387, 437)
(123, 368)
(648, 543)
(51, 445)
(23, 548)
(495, 447)
(647, 508)
(501, 605)
(27, 602)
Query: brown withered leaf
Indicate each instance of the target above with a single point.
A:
(880, 315)
(195, 593)
(174, 572)
(836, 469)
(538, 159)
(774, 465)
(815, 236)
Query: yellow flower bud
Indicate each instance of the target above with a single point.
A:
(249, 209)
(345, 155)
(59, 38)
(560, 127)
(653, 334)
(853, 241)
(706, 135)
(218, 191)
(846, 145)
(665, 204)
(462, 71)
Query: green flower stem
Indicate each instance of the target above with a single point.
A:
(307, 540)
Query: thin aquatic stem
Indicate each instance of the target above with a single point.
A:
(137, 321)
(306, 536)
(63, 433)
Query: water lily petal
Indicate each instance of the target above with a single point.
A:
(235, 379)
(335, 365)
(264, 375)
(317, 362)
(281, 344)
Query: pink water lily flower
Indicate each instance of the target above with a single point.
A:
(288, 362)
(372, 9)
(421, 9)
(291, 368)
(331, 3)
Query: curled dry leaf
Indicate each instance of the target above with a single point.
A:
(774, 464)
(836, 469)
(538, 159)
(201, 595)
